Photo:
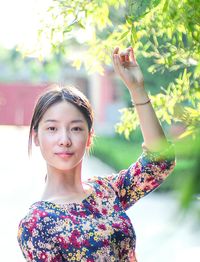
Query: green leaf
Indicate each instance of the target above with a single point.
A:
(81, 25)
(165, 6)
(134, 33)
(124, 35)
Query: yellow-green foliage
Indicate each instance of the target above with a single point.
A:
(167, 31)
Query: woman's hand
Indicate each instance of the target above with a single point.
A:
(126, 67)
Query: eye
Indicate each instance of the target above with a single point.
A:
(77, 129)
(52, 128)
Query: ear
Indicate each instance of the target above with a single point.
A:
(90, 138)
(35, 138)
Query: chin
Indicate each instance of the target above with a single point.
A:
(65, 167)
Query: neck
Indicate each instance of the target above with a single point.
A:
(60, 184)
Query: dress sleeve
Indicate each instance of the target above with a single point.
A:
(144, 176)
(35, 243)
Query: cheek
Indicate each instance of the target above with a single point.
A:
(45, 141)
(82, 142)
(46, 147)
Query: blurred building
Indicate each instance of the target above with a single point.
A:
(17, 99)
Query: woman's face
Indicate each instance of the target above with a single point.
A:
(62, 137)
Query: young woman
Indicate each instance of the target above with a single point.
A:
(87, 221)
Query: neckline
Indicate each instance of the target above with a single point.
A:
(69, 204)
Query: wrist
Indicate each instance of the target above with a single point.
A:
(142, 103)
(139, 95)
(134, 85)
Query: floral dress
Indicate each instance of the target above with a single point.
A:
(98, 228)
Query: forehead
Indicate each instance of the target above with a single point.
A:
(63, 111)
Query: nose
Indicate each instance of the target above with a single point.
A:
(64, 139)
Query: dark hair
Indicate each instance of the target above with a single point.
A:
(56, 95)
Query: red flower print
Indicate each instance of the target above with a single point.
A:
(102, 226)
(125, 230)
(86, 243)
(60, 239)
(147, 188)
(99, 182)
(106, 242)
(30, 255)
(149, 179)
(40, 213)
(116, 208)
(163, 166)
(104, 211)
(82, 214)
(92, 202)
(76, 244)
(137, 172)
(155, 183)
(123, 203)
(122, 218)
(65, 217)
(116, 225)
(76, 233)
(99, 194)
(58, 258)
(65, 245)
(74, 212)
(43, 256)
(74, 241)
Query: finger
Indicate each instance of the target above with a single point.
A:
(124, 55)
(127, 58)
(117, 63)
(116, 50)
(126, 51)
(115, 53)
(122, 59)
(132, 56)
(119, 66)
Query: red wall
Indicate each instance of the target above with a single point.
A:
(16, 103)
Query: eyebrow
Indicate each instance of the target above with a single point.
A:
(56, 121)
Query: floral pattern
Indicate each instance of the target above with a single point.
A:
(98, 229)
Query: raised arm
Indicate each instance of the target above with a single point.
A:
(158, 160)
(129, 71)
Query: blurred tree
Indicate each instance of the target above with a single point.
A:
(15, 67)
(165, 31)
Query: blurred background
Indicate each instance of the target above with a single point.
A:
(70, 43)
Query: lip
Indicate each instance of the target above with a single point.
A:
(64, 154)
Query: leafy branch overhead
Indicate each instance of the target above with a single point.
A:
(165, 32)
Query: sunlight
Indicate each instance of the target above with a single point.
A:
(19, 22)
